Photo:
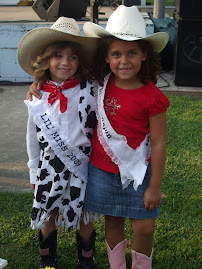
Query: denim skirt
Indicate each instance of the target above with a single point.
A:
(105, 195)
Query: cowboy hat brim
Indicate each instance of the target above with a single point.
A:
(157, 40)
(35, 41)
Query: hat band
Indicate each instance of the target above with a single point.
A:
(126, 34)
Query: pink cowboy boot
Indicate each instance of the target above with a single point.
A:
(141, 261)
(116, 256)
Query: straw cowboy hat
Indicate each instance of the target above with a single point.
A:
(35, 41)
(128, 24)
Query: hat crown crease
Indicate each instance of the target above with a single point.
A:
(125, 30)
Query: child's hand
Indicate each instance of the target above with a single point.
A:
(33, 186)
(34, 89)
(152, 197)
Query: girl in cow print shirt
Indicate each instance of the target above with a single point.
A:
(59, 131)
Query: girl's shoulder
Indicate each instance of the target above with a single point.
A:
(88, 84)
(151, 88)
(152, 91)
(155, 98)
(88, 88)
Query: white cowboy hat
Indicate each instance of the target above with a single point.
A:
(35, 41)
(128, 24)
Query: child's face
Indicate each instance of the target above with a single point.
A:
(125, 60)
(63, 65)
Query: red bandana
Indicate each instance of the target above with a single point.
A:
(56, 92)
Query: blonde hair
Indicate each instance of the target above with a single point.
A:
(41, 65)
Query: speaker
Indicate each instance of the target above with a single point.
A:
(73, 9)
(51, 10)
(189, 9)
(130, 3)
(47, 9)
(188, 59)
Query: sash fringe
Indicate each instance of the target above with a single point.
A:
(60, 220)
(89, 216)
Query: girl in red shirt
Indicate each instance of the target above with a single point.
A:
(128, 146)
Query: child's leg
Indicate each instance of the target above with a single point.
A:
(143, 235)
(116, 241)
(49, 226)
(86, 230)
(114, 230)
(142, 243)
(48, 244)
(85, 245)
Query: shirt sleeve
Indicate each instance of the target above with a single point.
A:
(33, 149)
(158, 104)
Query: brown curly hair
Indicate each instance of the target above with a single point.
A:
(150, 68)
(41, 65)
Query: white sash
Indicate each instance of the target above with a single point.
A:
(73, 158)
(132, 163)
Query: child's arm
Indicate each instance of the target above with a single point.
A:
(33, 150)
(34, 89)
(157, 123)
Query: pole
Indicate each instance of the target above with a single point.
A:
(91, 10)
(94, 11)
(159, 9)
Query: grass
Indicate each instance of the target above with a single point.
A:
(178, 229)
(167, 2)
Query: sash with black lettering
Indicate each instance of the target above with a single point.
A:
(132, 163)
(73, 158)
